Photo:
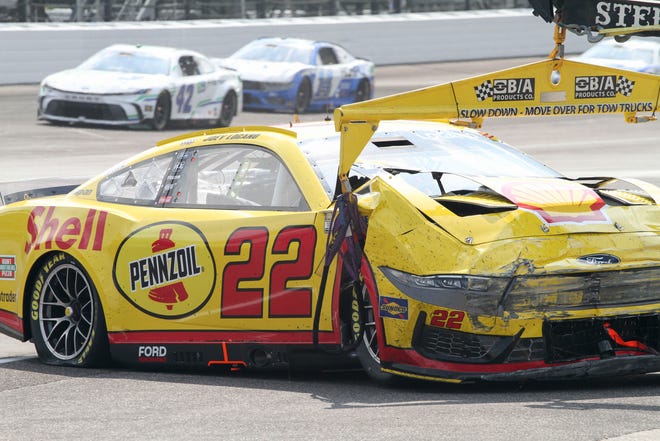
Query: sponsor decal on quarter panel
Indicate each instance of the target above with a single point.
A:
(8, 297)
(394, 308)
(166, 269)
(7, 267)
(49, 231)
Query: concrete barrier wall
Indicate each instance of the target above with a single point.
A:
(30, 51)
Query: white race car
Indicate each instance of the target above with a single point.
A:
(127, 85)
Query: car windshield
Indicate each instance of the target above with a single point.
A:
(419, 156)
(275, 52)
(128, 62)
(619, 52)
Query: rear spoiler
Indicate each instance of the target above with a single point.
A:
(35, 193)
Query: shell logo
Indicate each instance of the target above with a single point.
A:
(165, 270)
(556, 201)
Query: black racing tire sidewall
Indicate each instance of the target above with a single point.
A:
(96, 350)
(363, 91)
(162, 125)
(304, 84)
(225, 120)
(370, 364)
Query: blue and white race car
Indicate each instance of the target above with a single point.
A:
(292, 74)
(126, 85)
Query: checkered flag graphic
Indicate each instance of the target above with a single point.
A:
(624, 86)
(484, 90)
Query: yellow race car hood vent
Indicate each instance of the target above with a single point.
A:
(476, 203)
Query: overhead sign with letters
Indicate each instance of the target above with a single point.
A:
(640, 16)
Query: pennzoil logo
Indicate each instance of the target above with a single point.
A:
(393, 307)
(165, 270)
(508, 89)
(602, 86)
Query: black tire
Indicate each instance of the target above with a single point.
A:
(367, 351)
(162, 112)
(363, 91)
(303, 96)
(66, 318)
(227, 110)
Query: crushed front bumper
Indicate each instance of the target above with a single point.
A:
(618, 366)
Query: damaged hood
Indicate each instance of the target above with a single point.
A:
(509, 208)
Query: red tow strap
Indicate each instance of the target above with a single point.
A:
(628, 344)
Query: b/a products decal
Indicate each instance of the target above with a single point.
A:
(165, 270)
(602, 86)
(507, 89)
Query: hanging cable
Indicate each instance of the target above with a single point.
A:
(346, 239)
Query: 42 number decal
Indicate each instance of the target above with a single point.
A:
(238, 301)
(184, 97)
(443, 318)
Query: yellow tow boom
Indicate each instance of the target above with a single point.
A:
(552, 87)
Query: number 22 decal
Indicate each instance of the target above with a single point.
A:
(282, 301)
(447, 319)
(183, 98)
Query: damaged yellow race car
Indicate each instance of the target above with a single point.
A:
(423, 248)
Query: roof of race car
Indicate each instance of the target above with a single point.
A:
(160, 51)
(311, 136)
(305, 134)
(414, 146)
(290, 41)
(309, 133)
(320, 142)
